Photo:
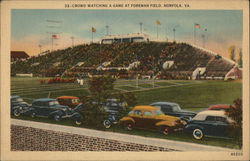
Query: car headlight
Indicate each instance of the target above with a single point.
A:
(183, 122)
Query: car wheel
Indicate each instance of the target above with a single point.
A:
(165, 130)
(57, 117)
(129, 126)
(16, 112)
(78, 122)
(107, 124)
(33, 115)
(198, 134)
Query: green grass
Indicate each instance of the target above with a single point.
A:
(164, 83)
(194, 96)
(128, 88)
(191, 95)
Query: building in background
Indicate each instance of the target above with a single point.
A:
(18, 55)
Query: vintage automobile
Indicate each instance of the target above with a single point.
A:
(18, 106)
(113, 107)
(219, 107)
(174, 109)
(151, 118)
(49, 107)
(209, 123)
(70, 101)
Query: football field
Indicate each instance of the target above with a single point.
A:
(192, 95)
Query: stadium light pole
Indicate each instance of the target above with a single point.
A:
(166, 35)
(203, 40)
(40, 46)
(72, 38)
(140, 27)
(107, 29)
(51, 43)
(174, 33)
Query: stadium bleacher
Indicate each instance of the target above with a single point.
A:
(185, 59)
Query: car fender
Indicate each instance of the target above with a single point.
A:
(60, 113)
(165, 123)
(126, 119)
(191, 127)
(76, 115)
(16, 107)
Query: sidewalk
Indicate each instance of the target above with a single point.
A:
(170, 144)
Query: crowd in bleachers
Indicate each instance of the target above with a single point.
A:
(151, 55)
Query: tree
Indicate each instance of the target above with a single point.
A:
(101, 89)
(232, 52)
(240, 58)
(235, 113)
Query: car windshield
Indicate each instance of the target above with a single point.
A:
(52, 103)
(176, 108)
(159, 112)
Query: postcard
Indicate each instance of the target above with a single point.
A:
(125, 80)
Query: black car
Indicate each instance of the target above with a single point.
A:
(173, 109)
(18, 106)
(209, 123)
(48, 107)
(112, 107)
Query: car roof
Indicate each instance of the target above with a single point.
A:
(163, 103)
(44, 99)
(15, 96)
(219, 106)
(67, 97)
(202, 115)
(146, 107)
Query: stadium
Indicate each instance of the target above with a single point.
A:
(125, 57)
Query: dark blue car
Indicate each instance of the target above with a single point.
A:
(18, 106)
(50, 108)
(209, 123)
(173, 109)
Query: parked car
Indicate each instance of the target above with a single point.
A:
(219, 107)
(70, 101)
(49, 107)
(18, 106)
(209, 123)
(113, 107)
(112, 119)
(149, 117)
(174, 109)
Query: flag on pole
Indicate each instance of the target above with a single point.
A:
(158, 22)
(198, 26)
(93, 29)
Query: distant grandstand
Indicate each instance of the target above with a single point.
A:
(168, 60)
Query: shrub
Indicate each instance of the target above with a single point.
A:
(235, 113)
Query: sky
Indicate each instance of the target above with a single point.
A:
(33, 27)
